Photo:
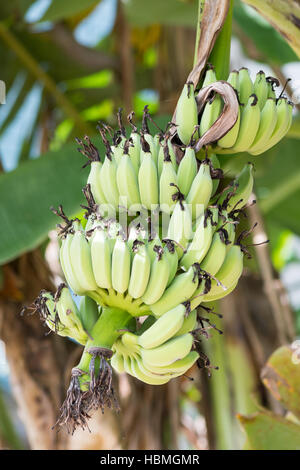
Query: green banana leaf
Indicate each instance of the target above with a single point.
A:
(59, 10)
(269, 43)
(172, 12)
(27, 193)
(281, 375)
(266, 431)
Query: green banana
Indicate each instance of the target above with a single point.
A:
(62, 308)
(108, 178)
(172, 257)
(127, 182)
(159, 277)
(135, 145)
(167, 183)
(230, 138)
(201, 241)
(266, 126)
(249, 125)
(215, 256)
(80, 256)
(141, 373)
(130, 342)
(66, 308)
(228, 275)
(233, 79)
(161, 157)
(180, 227)
(188, 325)
(237, 198)
(66, 265)
(148, 182)
(120, 272)
(210, 77)
(187, 171)
(169, 352)
(140, 271)
(213, 108)
(95, 182)
(201, 190)
(117, 362)
(101, 254)
(186, 113)
(261, 89)
(245, 85)
(89, 313)
(146, 136)
(181, 289)
(179, 367)
(283, 123)
(163, 329)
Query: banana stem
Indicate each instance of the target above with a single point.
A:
(104, 333)
(201, 4)
(220, 55)
(220, 390)
(91, 385)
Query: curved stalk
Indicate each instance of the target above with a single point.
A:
(201, 4)
(91, 381)
(220, 55)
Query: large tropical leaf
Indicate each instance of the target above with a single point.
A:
(267, 40)
(173, 12)
(266, 431)
(284, 15)
(59, 10)
(281, 375)
(27, 193)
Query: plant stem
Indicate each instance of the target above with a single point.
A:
(282, 316)
(201, 4)
(220, 55)
(104, 333)
(33, 66)
(220, 389)
(7, 430)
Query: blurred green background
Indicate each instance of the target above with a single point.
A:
(67, 65)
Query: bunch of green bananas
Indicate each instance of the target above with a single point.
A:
(141, 274)
(124, 274)
(62, 315)
(160, 350)
(141, 173)
(263, 119)
(158, 241)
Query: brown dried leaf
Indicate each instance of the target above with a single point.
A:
(213, 18)
(228, 116)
